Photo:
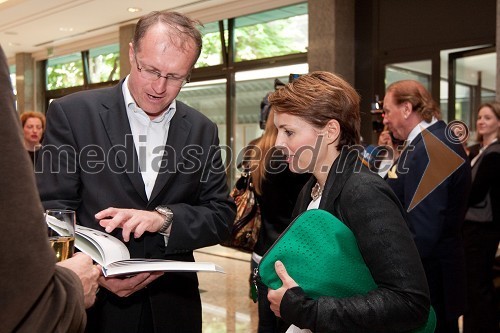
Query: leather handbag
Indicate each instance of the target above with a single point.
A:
(316, 241)
(246, 226)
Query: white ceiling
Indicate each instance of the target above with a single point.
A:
(53, 27)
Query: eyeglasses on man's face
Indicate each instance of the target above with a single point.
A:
(152, 75)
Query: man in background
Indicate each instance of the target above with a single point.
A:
(435, 216)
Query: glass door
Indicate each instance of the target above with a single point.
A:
(471, 81)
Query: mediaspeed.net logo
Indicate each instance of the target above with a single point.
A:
(443, 161)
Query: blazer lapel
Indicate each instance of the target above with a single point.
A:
(115, 120)
(339, 173)
(177, 136)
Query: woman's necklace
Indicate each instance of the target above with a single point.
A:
(316, 191)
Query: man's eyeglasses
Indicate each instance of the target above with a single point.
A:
(152, 75)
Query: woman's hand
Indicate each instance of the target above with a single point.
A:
(275, 296)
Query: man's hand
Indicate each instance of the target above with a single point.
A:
(130, 220)
(88, 273)
(385, 139)
(128, 286)
(275, 296)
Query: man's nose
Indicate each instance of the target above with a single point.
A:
(160, 85)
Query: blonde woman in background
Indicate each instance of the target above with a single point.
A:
(481, 229)
(276, 189)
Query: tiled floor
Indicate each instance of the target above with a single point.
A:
(227, 307)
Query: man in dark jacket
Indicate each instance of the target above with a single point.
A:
(134, 161)
(432, 181)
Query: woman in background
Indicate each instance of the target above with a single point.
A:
(33, 124)
(481, 229)
(276, 189)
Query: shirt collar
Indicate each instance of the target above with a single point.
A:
(132, 105)
(419, 128)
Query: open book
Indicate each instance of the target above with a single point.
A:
(109, 252)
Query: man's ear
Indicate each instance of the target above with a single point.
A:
(332, 130)
(407, 109)
(131, 53)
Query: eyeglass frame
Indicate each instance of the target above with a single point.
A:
(168, 77)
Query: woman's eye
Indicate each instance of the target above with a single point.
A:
(288, 133)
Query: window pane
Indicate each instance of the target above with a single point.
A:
(415, 70)
(12, 71)
(104, 63)
(251, 88)
(65, 71)
(211, 53)
(208, 97)
(272, 33)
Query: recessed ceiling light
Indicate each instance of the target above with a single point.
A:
(134, 9)
(65, 29)
(2, 1)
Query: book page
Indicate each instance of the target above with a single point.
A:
(133, 266)
(114, 257)
(111, 249)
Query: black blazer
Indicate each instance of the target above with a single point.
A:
(436, 222)
(486, 180)
(90, 149)
(365, 203)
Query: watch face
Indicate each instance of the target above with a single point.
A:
(161, 210)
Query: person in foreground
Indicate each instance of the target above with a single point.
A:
(318, 123)
(482, 224)
(36, 294)
(435, 221)
(137, 163)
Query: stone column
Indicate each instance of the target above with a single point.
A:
(25, 82)
(126, 34)
(331, 37)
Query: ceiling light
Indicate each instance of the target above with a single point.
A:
(2, 1)
(65, 29)
(132, 9)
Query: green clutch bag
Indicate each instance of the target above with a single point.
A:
(316, 241)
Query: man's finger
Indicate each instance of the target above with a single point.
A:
(110, 211)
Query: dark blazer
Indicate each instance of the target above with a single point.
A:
(436, 222)
(365, 203)
(35, 294)
(90, 149)
(486, 180)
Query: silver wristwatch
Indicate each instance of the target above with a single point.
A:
(169, 216)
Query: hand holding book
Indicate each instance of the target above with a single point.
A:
(113, 255)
